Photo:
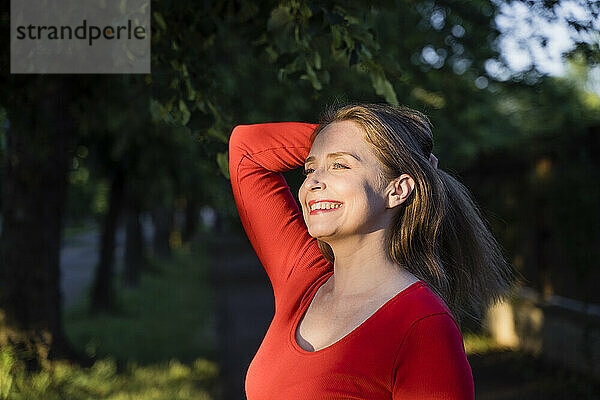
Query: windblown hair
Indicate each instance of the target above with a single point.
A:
(438, 233)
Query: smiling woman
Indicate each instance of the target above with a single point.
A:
(371, 276)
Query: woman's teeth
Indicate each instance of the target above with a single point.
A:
(324, 206)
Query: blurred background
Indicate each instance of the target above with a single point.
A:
(124, 270)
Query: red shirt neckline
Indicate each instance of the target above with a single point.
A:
(304, 307)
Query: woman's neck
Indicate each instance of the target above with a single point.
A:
(362, 267)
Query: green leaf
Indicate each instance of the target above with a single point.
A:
(366, 53)
(312, 77)
(434, 100)
(279, 18)
(383, 86)
(271, 53)
(185, 112)
(160, 112)
(160, 20)
(200, 105)
(169, 105)
(223, 162)
(281, 74)
(214, 132)
(336, 37)
(323, 76)
(191, 93)
(174, 83)
(214, 112)
(157, 110)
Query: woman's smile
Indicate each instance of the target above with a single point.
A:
(323, 206)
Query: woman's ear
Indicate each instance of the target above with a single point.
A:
(398, 190)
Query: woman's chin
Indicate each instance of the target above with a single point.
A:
(321, 234)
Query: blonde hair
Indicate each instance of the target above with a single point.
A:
(438, 234)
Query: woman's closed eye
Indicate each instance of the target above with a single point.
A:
(309, 170)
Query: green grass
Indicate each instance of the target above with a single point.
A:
(479, 343)
(168, 316)
(61, 380)
(158, 346)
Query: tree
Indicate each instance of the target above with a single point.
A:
(33, 198)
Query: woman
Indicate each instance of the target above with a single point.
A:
(365, 278)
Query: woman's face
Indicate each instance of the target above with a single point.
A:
(342, 175)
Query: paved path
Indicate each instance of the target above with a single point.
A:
(79, 258)
(245, 307)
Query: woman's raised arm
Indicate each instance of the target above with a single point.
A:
(269, 213)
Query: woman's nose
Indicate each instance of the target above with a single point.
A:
(314, 181)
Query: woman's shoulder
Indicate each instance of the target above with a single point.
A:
(416, 303)
(427, 300)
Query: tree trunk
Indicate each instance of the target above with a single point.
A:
(162, 218)
(541, 244)
(103, 296)
(134, 243)
(39, 144)
(192, 214)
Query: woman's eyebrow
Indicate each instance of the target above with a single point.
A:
(330, 155)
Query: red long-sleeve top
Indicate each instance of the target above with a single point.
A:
(410, 348)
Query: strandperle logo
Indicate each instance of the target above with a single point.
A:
(75, 36)
(82, 32)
